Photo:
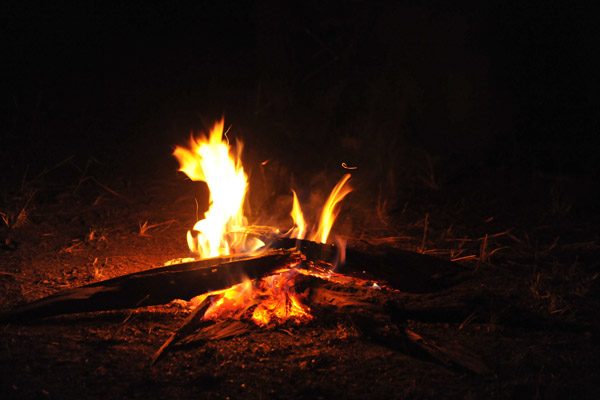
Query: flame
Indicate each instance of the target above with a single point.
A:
(271, 300)
(222, 231)
(330, 212)
(328, 215)
(209, 160)
(299, 225)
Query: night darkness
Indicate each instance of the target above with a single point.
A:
(453, 114)
(502, 81)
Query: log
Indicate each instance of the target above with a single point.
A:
(449, 354)
(404, 270)
(383, 321)
(156, 286)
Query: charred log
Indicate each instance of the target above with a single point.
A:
(404, 270)
(155, 286)
(382, 318)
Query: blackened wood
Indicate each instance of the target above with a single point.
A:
(194, 321)
(404, 270)
(156, 286)
(450, 354)
(377, 320)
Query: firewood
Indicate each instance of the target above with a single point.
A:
(221, 330)
(191, 323)
(382, 321)
(450, 354)
(157, 286)
(402, 269)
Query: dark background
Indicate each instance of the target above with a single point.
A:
(501, 92)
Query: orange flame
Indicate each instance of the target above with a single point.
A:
(209, 160)
(299, 225)
(330, 212)
(270, 300)
(222, 231)
(328, 215)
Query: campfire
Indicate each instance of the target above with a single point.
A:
(244, 277)
(224, 231)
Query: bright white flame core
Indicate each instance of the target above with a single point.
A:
(209, 160)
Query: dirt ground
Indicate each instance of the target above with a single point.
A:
(525, 305)
(470, 135)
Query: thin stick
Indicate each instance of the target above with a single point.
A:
(191, 323)
(422, 249)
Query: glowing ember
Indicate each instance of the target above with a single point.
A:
(271, 300)
(209, 160)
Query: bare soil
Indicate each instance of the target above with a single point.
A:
(525, 303)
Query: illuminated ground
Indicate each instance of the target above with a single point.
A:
(533, 305)
(475, 140)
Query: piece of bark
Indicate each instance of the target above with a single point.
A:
(450, 354)
(156, 286)
(221, 330)
(341, 300)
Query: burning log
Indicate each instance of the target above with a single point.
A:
(156, 286)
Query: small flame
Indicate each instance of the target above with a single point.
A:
(299, 225)
(273, 300)
(209, 160)
(267, 301)
(330, 212)
(328, 215)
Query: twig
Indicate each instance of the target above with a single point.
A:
(482, 255)
(472, 256)
(422, 249)
(467, 321)
(99, 184)
(192, 322)
(139, 303)
(145, 227)
(24, 178)
(45, 171)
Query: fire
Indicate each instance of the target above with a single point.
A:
(299, 228)
(266, 302)
(209, 160)
(222, 231)
(328, 215)
(330, 212)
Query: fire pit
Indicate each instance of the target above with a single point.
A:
(246, 277)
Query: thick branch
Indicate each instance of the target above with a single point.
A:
(156, 286)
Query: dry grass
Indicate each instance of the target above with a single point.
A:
(145, 227)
